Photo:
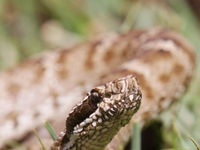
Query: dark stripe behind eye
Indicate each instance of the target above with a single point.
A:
(80, 113)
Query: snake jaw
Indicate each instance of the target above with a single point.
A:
(102, 113)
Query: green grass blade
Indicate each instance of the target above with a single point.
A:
(136, 140)
(194, 142)
(50, 130)
(39, 139)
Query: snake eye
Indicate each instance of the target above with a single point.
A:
(95, 97)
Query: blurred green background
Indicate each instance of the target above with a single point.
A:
(31, 26)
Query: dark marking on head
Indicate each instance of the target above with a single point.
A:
(81, 112)
(108, 95)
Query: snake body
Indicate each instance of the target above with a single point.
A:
(47, 87)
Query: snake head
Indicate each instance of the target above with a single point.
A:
(92, 124)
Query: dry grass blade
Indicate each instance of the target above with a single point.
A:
(194, 142)
(39, 139)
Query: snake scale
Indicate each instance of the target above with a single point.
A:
(157, 63)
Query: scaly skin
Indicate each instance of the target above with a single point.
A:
(47, 87)
(93, 123)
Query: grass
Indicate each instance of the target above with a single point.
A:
(195, 143)
(50, 130)
(39, 139)
(136, 137)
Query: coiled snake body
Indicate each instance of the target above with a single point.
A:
(47, 87)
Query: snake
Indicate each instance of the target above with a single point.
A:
(131, 77)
